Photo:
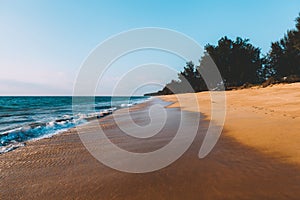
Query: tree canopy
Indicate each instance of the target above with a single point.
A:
(240, 62)
(284, 56)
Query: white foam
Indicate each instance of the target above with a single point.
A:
(10, 147)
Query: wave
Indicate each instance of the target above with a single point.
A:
(17, 130)
(11, 139)
(10, 147)
(15, 138)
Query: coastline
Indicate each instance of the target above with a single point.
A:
(15, 135)
(242, 165)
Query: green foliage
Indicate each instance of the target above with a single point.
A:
(192, 75)
(239, 62)
(284, 56)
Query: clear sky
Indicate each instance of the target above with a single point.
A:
(44, 42)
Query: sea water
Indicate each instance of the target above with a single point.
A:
(30, 118)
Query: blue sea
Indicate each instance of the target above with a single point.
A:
(31, 118)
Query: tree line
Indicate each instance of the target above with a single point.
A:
(240, 64)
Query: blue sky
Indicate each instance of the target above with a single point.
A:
(43, 43)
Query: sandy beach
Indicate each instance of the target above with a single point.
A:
(257, 156)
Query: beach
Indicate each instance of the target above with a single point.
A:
(256, 157)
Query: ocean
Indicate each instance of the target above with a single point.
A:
(31, 118)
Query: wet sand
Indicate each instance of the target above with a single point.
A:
(257, 156)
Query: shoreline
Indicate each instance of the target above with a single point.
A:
(88, 118)
(237, 168)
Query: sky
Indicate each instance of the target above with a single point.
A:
(43, 44)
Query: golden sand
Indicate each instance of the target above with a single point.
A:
(256, 157)
(267, 119)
